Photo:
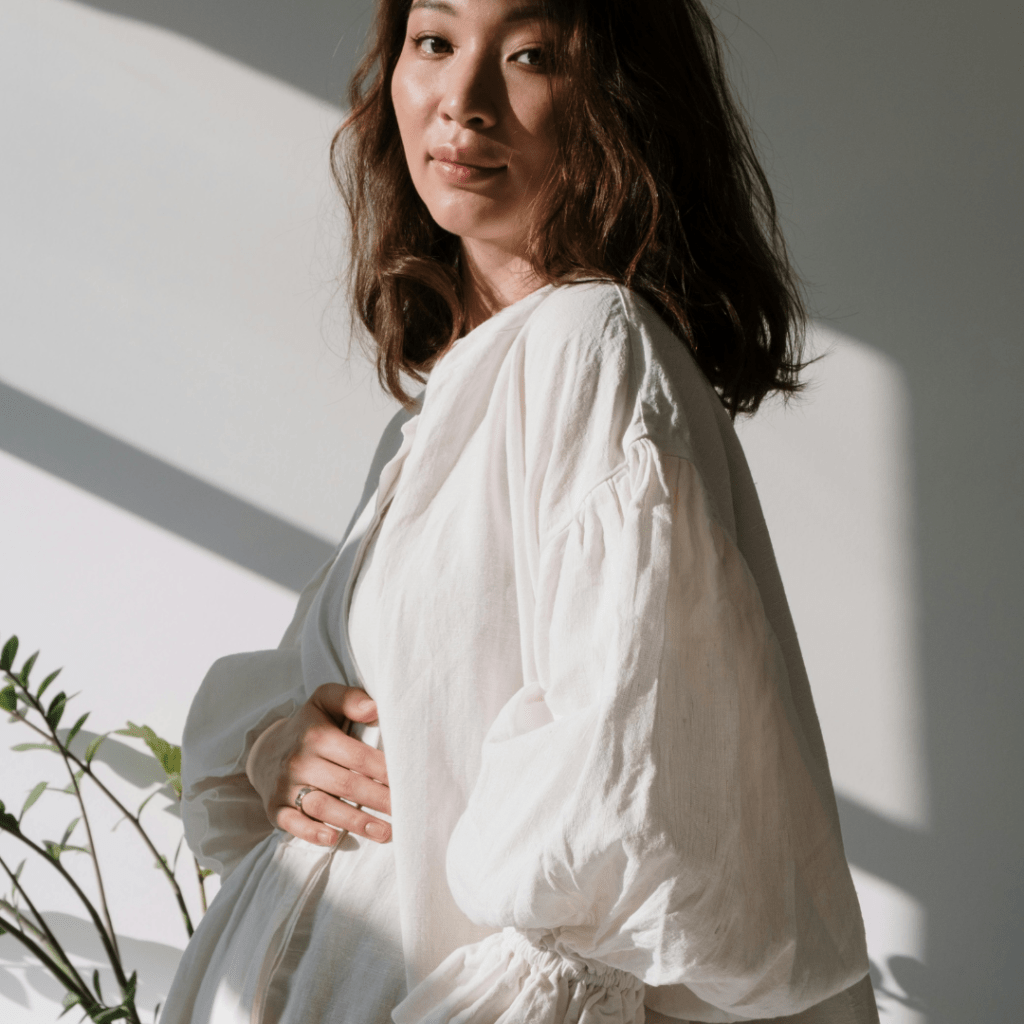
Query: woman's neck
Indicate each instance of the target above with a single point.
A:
(493, 278)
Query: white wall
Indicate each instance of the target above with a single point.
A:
(893, 134)
(167, 258)
(170, 259)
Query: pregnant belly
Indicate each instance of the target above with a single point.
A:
(296, 935)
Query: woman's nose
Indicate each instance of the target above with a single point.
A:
(471, 92)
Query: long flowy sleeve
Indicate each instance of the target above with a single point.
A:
(647, 816)
(240, 696)
(243, 694)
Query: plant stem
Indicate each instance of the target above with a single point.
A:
(94, 856)
(44, 929)
(201, 878)
(89, 1003)
(179, 896)
(112, 955)
(51, 734)
(168, 874)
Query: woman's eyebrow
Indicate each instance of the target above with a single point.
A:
(433, 5)
(524, 12)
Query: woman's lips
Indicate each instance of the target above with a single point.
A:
(465, 174)
(466, 165)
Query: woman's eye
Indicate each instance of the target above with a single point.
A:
(531, 58)
(432, 45)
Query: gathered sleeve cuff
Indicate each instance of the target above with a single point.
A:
(516, 980)
(240, 697)
(648, 813)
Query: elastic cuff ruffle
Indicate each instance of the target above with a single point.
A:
(565, 965)
(509, 979)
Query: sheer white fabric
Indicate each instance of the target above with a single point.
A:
(609, 786)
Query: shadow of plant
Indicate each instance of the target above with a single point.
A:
(11, 988)
(912, 977)
(156, 963)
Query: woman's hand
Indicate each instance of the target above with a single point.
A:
(309, 749)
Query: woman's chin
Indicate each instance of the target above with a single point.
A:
(475, 217)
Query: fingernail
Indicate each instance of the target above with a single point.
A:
(326, 838)
(375, 830)
(365, 705)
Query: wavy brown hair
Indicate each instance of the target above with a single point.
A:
(658, 188)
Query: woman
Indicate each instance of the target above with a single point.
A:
(590, 726)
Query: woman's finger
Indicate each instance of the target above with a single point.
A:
(330, 743)
(320, 811)
(295, 823)
(346, 785)
(339, 702)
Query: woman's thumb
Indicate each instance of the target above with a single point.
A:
(349, 702)
(358, 706)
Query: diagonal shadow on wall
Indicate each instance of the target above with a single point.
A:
(158, 492)
(311, 44)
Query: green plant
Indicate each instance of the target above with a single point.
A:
(19, 916)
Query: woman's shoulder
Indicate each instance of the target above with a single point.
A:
(591, 313)
(596, 318)
(599, 336)
(578, 339)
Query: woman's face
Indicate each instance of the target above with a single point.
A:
(475, 108)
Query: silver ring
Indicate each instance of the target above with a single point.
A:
(302, 794)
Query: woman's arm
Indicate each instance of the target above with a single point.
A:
(241, 695)
(646, 813)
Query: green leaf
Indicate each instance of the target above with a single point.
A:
(165, 752)
(26, 670)
(72, 787)
(73, 731)
(90, 751)
(68, 831)
(174, 781)
(36, 793)
(46, 682)
(17, 871)
(96, 985)
(205, 872)
(8, 654)
(54, 850)
(35, 746)
(114, 1013)
(56, 709)
(71, 1000)
(8, 822)
(128, 992)
(8, 698)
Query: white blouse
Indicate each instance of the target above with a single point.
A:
(609, 788)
